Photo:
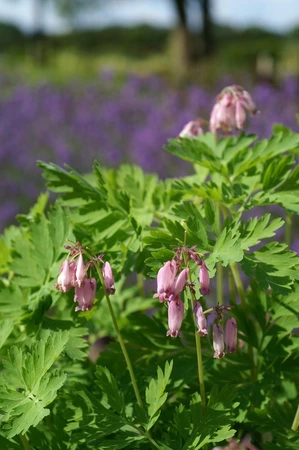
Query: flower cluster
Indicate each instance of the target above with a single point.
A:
(172, 281)
(229, 338)
(229, 112)
(170, 284)
(73, 274)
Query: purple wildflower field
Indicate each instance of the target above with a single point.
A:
(110, 121)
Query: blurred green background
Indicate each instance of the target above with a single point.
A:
(61, 38)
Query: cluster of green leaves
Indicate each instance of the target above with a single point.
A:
(138, 221)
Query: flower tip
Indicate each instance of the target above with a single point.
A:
(173, 333)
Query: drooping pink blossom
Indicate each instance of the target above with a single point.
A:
(180, 282)
(85, 294)
(175, 317)
(165, 280)
(229, 111)
(108, 278)
(231, 332)
(204, 279)
(218, 341)
(80, 271)
(200, 319)
(169, 287)
(66, 277)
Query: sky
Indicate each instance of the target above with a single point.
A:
(274, 15)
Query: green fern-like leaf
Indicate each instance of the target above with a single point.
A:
(27, 387)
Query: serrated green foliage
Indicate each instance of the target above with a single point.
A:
(279, 419)
(196, 151)
(38, 248)
(138, 222)
(227, 248)
(197, 428)
(274, 266)
(257, 229)
(28, 372)
(76, 345)
(155, 393)
(111, 394)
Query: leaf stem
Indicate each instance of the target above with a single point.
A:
(241, 292)
(140, 284)
(295, 423)
(232, 288)
(24, 441)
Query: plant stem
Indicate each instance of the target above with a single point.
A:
(288, 228)
(239, 286)
(232, 289)
(199, 364)
(121, 341)
(200, 372)
(140, 284)
(219, 270)
(219, 278)
(24, 441)
(125, 353)
(295, 423)
(240, 289)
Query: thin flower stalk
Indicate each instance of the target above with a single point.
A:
(200, 369)
(121, 341)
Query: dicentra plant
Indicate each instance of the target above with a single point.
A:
(131, 364)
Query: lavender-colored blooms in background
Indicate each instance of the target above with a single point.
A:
(110, 121)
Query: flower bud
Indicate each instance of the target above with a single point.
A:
(80, 271)
(204, 279)
(218, 341)
(231, 335)
(175, 317)
(85, 295)
(200, 319)
(108, 278)
(192, 129)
